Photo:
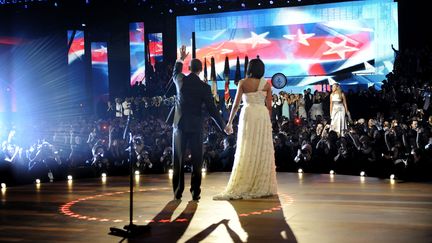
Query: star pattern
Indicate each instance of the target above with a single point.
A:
(255, 39)
(300, 37)
(339, 48)
(103, 49)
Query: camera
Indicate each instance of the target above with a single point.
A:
(138, 141)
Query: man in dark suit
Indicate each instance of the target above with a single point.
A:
(187, 120)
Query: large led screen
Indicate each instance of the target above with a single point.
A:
(155, 44)
(99, 57)
(309, 44)
(137, 52)
(76, 45)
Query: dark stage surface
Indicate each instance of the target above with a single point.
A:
(309, 208)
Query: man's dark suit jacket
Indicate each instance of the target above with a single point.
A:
(192, 93)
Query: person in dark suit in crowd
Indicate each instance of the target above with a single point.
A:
(187, 120)
(308, 98)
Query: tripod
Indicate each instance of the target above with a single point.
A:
(131, 229)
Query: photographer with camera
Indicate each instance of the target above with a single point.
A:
(45, 164)
(166, 159)
(100, 161)
(143, 162)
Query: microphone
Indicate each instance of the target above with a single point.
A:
(127, 127)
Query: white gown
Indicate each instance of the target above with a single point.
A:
(338, 113)
(254, 172)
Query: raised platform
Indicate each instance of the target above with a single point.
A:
(309, 208)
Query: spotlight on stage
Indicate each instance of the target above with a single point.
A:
(170, 171)
(300, 171)
(203, 170)
(69, 177)
(243, 5)
(332, 172)
(104, 175)
(3, 186)
(362, 174)
(392, 177)
(137, 172)
(38, 181)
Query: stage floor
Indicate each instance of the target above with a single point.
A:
(309, 208)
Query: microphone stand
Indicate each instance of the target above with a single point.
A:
(131, 229)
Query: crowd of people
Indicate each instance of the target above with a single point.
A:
(384, 132)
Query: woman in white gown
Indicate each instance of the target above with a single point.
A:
(338, 110)
(301, 107)
(254, 172)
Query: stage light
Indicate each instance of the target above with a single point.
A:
(38, 181)
(332, 172)
(362, 173)
(137, 172)
(195, 9)
(55, 4)
(83, 25)
(170, 11)
(203, 170)
(104, 175)
(69, 177)
(259, 4)
(243, 5)
(219, 7)
(392, 176)
(87, 1)
(3, 186)
(271, 2)
(170, 171)
(300, 170)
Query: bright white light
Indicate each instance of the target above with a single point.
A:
(219, 7)
(203, 170)
(195, 9)
(332, 172)
(259, 4)
(300, 170)
(69, 177)
(362, 173)
(271, 2)
(3, 185)
(392, 176)
(103, 175)
(170, 171)
(243, 5)
(137, 172)
(83, 25)
(38, 181)
(170, 11)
